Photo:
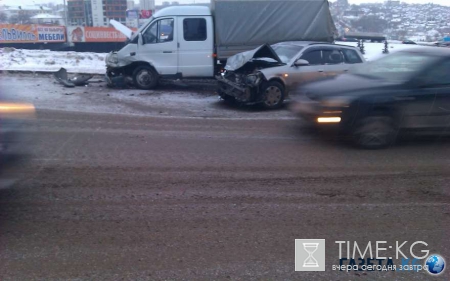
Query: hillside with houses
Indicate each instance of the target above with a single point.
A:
(395, 19)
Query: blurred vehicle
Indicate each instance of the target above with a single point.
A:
(409, 42)
(266, 74)
(347, 39)
(443, 44)
(367, 36)
(407, 90)
(12, 114)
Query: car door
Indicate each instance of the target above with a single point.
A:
(436, 82)
(351, 57)
(307, 73)
(158, 46)
(195, 47)
(333, 61)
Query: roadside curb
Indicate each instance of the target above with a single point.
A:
(2, 71)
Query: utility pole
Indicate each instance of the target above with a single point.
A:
(65, 14)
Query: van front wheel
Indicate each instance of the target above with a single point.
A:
(145, 77)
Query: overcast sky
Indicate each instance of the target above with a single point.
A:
(31, 2)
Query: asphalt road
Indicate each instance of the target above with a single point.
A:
(123, 197)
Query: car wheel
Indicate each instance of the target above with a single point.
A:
(273, 95)
(375, 133)
(145, 77)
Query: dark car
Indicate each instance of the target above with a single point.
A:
(345, 39)
(443, 44)
(406, 90)
(12, 116)
(409, 42)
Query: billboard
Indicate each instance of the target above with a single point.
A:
(94, 34)
(31, 33)
(133, 14)
(146, 14)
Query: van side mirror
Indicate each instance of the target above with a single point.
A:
(301, 62)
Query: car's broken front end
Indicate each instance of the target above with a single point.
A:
(243, 86)
(118, 70)
(242, 79)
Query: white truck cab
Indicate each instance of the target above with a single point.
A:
(176, 42)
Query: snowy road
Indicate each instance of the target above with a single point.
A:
(197, 99)
(108, 197)
(174, 185)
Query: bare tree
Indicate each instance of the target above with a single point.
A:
(14, 19)
(3, 17)
(19, 19)
(24, 18)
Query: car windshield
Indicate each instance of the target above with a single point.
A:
(286, 52)
(397, 67)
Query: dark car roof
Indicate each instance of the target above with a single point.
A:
(429, 51)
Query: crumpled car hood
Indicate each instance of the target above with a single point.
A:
(239, 60)
(122, 28)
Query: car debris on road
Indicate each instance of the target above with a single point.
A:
(78, 80)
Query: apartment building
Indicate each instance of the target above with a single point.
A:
(79, 12)
(147, 5)
(96, 12)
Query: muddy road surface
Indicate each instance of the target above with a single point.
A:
(106, 196)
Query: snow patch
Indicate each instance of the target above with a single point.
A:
(51, 61)
(94, 63)
(374, 51)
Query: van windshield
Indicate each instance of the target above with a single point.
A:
(140, 29)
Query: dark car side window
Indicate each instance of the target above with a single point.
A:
(351, 56)
(194, 29)
(313, 57)
(438, 75)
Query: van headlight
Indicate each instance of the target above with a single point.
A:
(112, 58)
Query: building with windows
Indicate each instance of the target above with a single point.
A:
(79, 12)
(96, 12)
(147, 5)
(105, 10)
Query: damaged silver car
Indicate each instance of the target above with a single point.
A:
(267, 74)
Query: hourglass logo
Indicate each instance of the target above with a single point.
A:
(309, 254)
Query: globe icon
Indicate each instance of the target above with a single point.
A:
(435, 264)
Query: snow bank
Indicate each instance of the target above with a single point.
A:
(46, 60)
(374, 51)
(94, 63)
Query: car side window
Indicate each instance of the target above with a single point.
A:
(159, 32)
(313, 57)
(439, 75)
(332, 57)
(194, 29)
(351, 56)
